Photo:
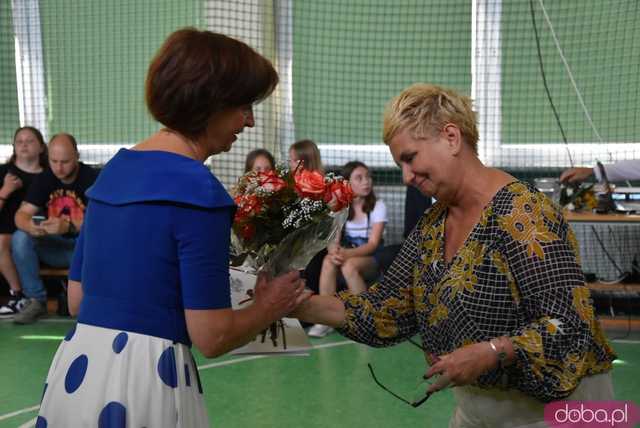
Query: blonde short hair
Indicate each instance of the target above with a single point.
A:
(425, 109)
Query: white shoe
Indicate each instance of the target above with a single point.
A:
(319, 330)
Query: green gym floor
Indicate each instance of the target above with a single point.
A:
(331, 387)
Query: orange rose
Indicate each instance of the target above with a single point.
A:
(338, 195)
(270, 181)
(248, 206)
(310, 184)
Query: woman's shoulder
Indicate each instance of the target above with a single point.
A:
(519, 200)
(379, 212)
(133, 176)
(379, 203)
(515, 194)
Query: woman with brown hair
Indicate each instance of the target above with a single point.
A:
(259, 160)
(150, 274)
(28, 160)
(304, 154)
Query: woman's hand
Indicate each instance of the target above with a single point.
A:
(337, 257)
(333, 248)
(575, 175)
(280, 295)
(10, 184)
(463, 366)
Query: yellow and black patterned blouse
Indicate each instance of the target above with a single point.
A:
(517, 274)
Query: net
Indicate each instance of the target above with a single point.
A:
(555, 83)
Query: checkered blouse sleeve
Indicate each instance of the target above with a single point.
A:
(563, 341)
(384, 314)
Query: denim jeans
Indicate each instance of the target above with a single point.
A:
(28, 252)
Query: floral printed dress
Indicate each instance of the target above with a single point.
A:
(517, 274)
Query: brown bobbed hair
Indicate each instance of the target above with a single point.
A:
(197, 74)
(43, 159)
(369, 200)
(308, 152)
(254, 154)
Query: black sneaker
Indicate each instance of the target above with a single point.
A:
(16, 303)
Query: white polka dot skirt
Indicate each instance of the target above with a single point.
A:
(108, 378)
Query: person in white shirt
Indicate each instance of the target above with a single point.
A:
(619, 171)
(353, 255)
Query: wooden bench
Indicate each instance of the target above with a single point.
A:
(623, 291)
(629, 290)
(59, 275)
(49, 272)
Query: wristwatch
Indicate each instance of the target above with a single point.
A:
(502, 355)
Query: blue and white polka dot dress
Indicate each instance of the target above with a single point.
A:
(108, 378)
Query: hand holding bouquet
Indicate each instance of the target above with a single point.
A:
(284, 218)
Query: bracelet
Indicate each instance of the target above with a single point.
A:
(502, 355)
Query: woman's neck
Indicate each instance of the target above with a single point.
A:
(29, 165)
(172, 141)
(476, 193)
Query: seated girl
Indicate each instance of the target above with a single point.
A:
(354, 256)
(259, 160)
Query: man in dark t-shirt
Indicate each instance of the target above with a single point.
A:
(58, 195)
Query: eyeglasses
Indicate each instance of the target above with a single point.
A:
(415, 403)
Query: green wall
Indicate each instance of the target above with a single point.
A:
(9, 118)
(351, 57)
(601, 43)
(96, 56)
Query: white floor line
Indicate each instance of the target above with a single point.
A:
(257, 357)
(232, 361)
(53, 320)
(29, 424)
(19, 412)
(626, 341)
(202, 367)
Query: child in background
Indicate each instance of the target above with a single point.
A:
(305, 154)
(28, 160)
(354, 255)
(259, 160)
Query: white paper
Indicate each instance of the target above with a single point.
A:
(272, 341)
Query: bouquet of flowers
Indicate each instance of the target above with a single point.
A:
(285, 217)
(576, 197)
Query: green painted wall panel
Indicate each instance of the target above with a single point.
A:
(96, 56)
